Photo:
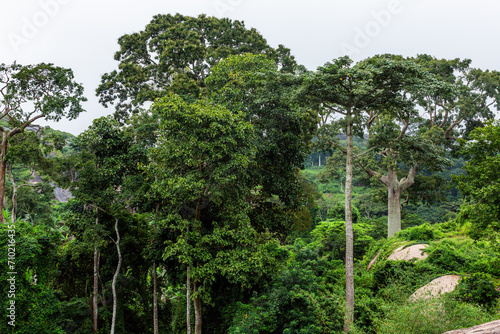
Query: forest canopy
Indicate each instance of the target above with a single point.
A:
(234, 191)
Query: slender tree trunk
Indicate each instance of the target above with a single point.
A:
(197, 298)
(14, 197)
(393, 204)
(155, 300)
(3, 168)
(188, 301)
(115, 277)
(95, 291)
(197, 309)
(96, 288)
(103, 295)
(349, 250)
(155, 285)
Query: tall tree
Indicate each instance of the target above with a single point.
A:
(174, 53)
(29, 93)
(255, 85)
(204, 154)
(353, 93)
(397, 139)
(455, 98)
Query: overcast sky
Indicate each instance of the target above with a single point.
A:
(82, 34)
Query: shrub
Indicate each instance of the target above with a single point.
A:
(478, 289)
(432, 316)
(422, 232)
(448, 258)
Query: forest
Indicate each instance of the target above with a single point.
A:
(233, 190)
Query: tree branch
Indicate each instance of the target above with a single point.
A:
(17, 130)
(405, 183)
(403, 130)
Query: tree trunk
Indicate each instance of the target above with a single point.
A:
(14, 198)
(395, 189)
(188, 302)
(197, 308)
(393, 204)
(349, 234)
(155, 285)
(155, 300)
(115, 277)
(3, 168)
(96, 285)
(96, 288)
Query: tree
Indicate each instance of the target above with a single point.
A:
(457, 112)
(455, 98)
(255, 85)
(480, 185)
(201, 164)
(104, 165)
(400, 149)
(29, 93)
(174, 54)
(356, 93)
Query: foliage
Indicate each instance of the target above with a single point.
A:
(253, 84)
(433, 316)
(422, 232)
(40, 307)
(297, 301)
(479, 289)
(208, 178)
(174, 54)
(331, 235)
(480, 184)
(338, 212)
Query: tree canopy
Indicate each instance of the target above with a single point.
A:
(174, 53)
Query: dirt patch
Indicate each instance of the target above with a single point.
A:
(438, 286)
(408, 253)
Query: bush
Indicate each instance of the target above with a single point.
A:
(478, 289)
(423, 232)
(432, 316)
(448, 258)
(331, 235)
(393, 272)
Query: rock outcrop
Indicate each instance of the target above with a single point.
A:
(438, 286)
(408, 253)
(487, 328)
(62, 195)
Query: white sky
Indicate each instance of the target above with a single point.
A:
(82, 34)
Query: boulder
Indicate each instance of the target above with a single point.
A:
(408, 253)
(438, 286)
(487, 328)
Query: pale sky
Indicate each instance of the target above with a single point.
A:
(82, 34)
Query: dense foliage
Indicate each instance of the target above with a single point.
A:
(217, 198)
